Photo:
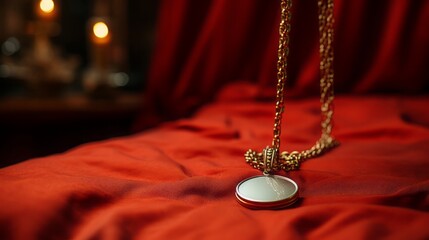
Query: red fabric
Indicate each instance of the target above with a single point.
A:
(178, 181)
(380, 46)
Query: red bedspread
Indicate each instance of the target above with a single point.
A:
(178, 181)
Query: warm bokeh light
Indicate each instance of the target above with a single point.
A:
(100, 30)
(47, 6)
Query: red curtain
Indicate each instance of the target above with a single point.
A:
(380, 47)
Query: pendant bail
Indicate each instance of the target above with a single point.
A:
(270, 157)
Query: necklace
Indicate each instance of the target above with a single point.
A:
(274, 191)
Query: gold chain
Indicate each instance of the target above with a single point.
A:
(269, 160)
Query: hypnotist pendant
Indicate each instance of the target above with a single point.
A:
(270, 191)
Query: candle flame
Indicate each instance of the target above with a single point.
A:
(47, 6)
(100, 30)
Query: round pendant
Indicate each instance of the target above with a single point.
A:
(267, 192)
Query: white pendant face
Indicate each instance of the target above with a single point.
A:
(267, 192)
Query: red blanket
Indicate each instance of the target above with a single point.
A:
(178, 181)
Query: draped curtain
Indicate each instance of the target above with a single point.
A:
(380, 47)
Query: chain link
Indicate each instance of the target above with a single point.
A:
(269, 160)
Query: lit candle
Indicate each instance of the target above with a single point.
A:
(100, 31)
(46, 9)
(100, 44)
(45, 26)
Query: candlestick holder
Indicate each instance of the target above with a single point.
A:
(101, 79)
(41, 67)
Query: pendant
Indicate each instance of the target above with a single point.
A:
(267, 192)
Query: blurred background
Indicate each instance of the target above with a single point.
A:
(70, 72)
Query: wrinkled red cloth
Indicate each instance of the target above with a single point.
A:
(178, 180)
(380, 46)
